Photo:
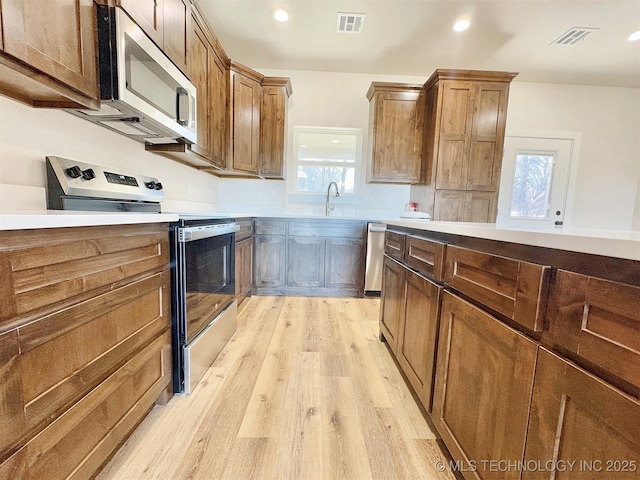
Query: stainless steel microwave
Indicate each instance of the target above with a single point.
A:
(143, 95)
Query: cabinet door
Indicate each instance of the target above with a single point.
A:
(176, 17)
(396, 138)
(570, 406)
(392, 302)
(218, 79)
(272, 132)
(487, 136)
(456, 120)
(449, 205)
(484, 381)
(418, 335)
(59, 40)
(244, 268)
(246, 123)
(270, 261)
(148, 15)
(480, 207)
(344, 266)
(305, 262)
(199, 68)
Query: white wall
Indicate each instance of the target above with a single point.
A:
(607, 182)
(27, 135)
(635, 225)
(323, 99)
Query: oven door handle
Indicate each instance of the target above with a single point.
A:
(190, 234)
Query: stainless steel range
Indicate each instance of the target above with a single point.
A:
(203, 305)
(74, 185)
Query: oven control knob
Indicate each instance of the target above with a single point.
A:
(74, 172)
(158, 186)
(88, 174)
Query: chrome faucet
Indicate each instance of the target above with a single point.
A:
(329, 207)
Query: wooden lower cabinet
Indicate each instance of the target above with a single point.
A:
(392, 303)
(270, 261)
(581, 424)
(483, 388)
(244, 268)
(85, 344)
(310, 257)
(418, 335)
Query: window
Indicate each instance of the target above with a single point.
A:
(531, 184)
(324, 155)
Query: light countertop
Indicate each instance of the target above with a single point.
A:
(30, 219)
(610, 243)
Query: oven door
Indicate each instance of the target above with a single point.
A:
(206, 271)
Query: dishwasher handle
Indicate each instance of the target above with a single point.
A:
(379, 227)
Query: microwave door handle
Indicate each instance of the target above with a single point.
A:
(182, 104)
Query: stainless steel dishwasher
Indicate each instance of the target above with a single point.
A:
(373, 264)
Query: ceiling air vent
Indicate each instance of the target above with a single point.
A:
(573, 35)
(350, 22)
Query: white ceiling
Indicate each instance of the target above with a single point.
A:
(413, 37)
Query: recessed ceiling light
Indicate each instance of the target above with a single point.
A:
(634, 36)
(335, 141)
(461, 25)
(280, 15)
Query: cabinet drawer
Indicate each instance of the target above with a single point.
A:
(598, 321)
(246, 229)
(88, 341)
(509, 287)
(78, 442)
(394, 244)
(271, 227)
(327, 228)
(426, 256)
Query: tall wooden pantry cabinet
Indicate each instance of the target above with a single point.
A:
(464, 126)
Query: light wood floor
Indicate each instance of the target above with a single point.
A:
(304, 390)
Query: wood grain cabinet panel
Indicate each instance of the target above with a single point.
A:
(83, 307)
(578, 420)
(244, 267)
(305, 262)
(270, 261)
(484, 381)
(597, 323)
(148, 14)
(392, 304)
(176, 18)
(425, 256)
(418, 336)
(273, 114)
(465, 119)
(49, 57)
(394, 244)
(395, 132)
(200, 58)
(247, 99)
(344, 263)
(510, 287)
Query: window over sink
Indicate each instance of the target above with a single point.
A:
(323, 155)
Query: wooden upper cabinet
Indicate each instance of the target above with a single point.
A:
(247, 99)
(199, 67)
(275, 94)
(395, 126)
(166, 22)
(465, 118)
(484, 380)
(218, 80)
(177, 26)
(48, 56)
(148, 14)
(576, 417)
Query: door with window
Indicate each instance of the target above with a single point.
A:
(535, 181)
